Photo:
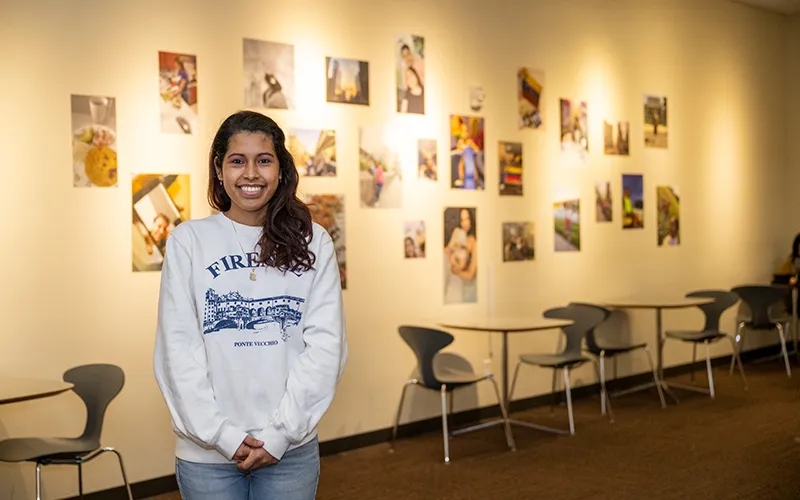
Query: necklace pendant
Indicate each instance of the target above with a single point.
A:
(252, 275)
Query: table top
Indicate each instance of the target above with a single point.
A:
(651, 303)
(14, 390)
(507, 325)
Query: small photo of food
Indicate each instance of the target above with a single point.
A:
(94, 141)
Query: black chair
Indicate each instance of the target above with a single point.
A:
(584, 319)
(603, 350)
(760, 299)
(97, 386)
(723, 300)
(426, 343)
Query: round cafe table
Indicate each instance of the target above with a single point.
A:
(15, 390)
(658, 305)
(506, 326)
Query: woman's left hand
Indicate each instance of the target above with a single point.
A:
(258, 457)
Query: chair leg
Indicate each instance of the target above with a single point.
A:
(737, 345)
(555, 399)
(604, 399)
(514, 380)
(655, 377)
(783, 350)
(38, 481)
(569, 401)
(122, 469)
(399, 409)
(80, 479)
(694, 360)
(738, 359)
(708, 368)
(445, 433)
(615, 368)
(506, 424)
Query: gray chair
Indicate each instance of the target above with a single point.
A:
(723, 300)
(426, 343)
(97, 385)
(760, 299)
(603, 350)
(584, 319)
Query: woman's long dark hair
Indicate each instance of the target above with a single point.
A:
(288, 226)
(796, 247)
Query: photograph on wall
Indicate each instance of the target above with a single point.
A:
(159, 203)
(327, 210)
(427, 159)
(567, 225)
(380, 177)
(313, 151)
(414, 239)
(574, 127)
(410, 57)
(510, 162)
(476, 98)
(517, 241)
(177, 85)
(94, 141)
(460, 256)
(632, 201)
(603, 201)
(615, 138)
(529, 93)
(466, 152)
(669, 204)
(347, 81)
(655, 121)
(268, 75)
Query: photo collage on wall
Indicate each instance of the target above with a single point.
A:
(160, 202)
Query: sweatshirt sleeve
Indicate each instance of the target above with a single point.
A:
(313, 376)
(180, 363)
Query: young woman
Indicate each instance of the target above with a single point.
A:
(251, 338)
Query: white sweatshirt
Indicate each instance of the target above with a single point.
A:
(235, 356)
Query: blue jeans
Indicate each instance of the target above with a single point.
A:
(294, 477)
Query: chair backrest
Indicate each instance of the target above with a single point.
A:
(426, 343)
(759, 299)
(585, 318)
(97, 385)
(591, 341)
(723, 300)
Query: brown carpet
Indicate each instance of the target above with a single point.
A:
(739, 445)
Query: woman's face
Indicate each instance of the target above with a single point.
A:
(410, 251)
(464, 131)
(466, 220)
(250, 172)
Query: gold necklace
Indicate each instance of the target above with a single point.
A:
(253, 276)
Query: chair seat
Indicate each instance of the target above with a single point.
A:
(31, 449)
(552, 360)
(613, 350)
(694, 335)
(453, 377)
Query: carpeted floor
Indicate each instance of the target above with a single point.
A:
(739, 445)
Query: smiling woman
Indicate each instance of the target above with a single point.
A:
(251, 436)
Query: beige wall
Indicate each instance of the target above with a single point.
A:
(69, 296)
